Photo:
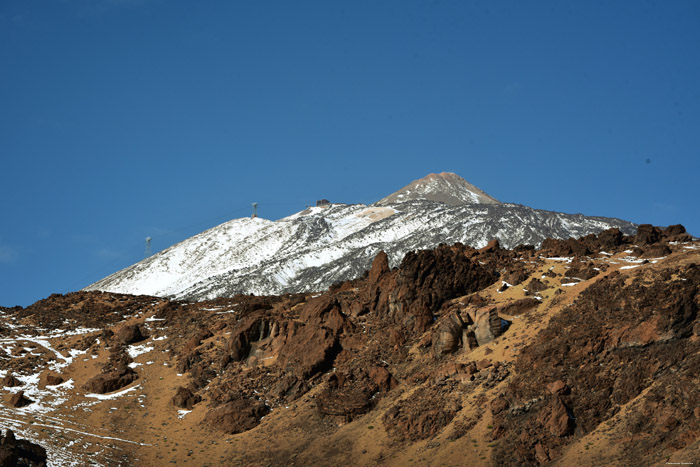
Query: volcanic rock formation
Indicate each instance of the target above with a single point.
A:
(584, 351)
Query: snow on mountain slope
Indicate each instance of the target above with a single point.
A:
(319, 246)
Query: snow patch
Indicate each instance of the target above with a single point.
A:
(114, 395)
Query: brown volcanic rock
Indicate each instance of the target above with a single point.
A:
(560, 248)
(619, 338)
(424, 281)
(347, 395)
(254, 328)
(610, 239)
(423, 415)
(289, 388)
(308, 350)
(647, 234)
(519, 307)
(380, 266)
(676, 233)
(626, 352)
(487, 325)
(53, 380)
(10, 381)
(110, 381)
(196, 340)
(447, 338)
(236, 416)
(556, 418)
(382, 379)
(19, 400)
(536, 285)
(20, 452)
(115, 375)
(325, 311)
(185, 398)
(582, 271)
(656, 251)
(130, 334)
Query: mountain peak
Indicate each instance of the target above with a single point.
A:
(445, 187)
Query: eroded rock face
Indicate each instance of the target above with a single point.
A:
(308, 350)
(412, 294)
(400, 341)
(617, 339)
(487, 325)
(255, 328)
(348, 395)
(447, 338)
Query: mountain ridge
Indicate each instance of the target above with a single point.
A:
(316, 247)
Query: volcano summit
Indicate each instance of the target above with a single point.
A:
(319, 246)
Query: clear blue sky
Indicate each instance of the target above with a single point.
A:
(121, 119)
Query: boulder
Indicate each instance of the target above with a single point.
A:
(19, 400)
(558, 387)
(9, 381)
(253, 329)
(20, 452)
(383, 380)
(289, 388)
(487, 325)
(610, 239)
(492, 245)
(185, 398)
(647, 234)
(498, 405)
(111, 381)
(346, 396)
(447, 338)
(130, 334)
(53, 380)
(656, 251)
(519, 307)
(556, 419)
(236, 416)
(325, 311)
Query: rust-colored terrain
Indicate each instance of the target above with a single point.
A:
(584, 352)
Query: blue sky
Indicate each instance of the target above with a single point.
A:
(122, 119)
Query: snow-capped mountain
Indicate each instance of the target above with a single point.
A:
(319, 246)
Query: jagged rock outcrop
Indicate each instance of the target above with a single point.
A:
(433, 354)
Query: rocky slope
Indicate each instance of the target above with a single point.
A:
(320, 246)
(581, 352)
